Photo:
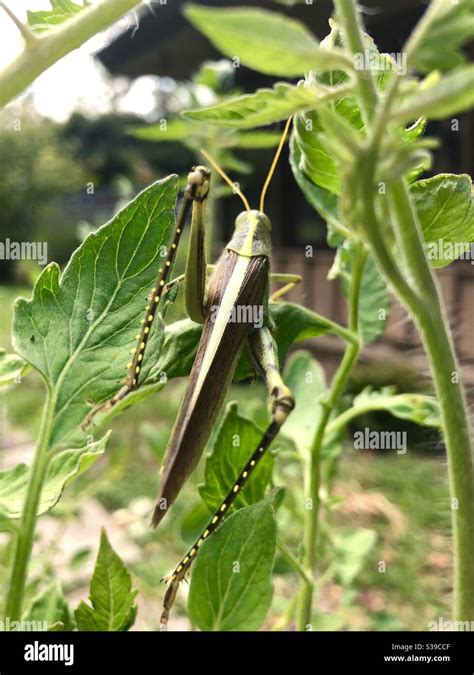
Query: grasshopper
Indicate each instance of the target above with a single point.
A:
(240, 281)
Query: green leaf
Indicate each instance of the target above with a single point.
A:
(408, 156)
(374, 299)
(183, 130)
(452, 94)
(314, 162)
(306, 379)
(197, 135)
(265, 41)
(436, 43)
(171, 131)
(79, 327)
(341, 133)
(50, 606)
(12, 367)
(231, 582)
(63, 468)
(236, 440)
(322, 200)
(351, 547)
(295, 324)
(263, 107)
(61, 10)
(445, 208)
(178, 352)
(256, 140)
(317, 160)
(418, 408)
(111, 595)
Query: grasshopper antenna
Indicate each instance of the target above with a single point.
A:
(274, 163)
(222, 173)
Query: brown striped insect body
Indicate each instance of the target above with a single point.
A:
(240, 280)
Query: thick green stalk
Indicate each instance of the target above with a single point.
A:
(42, 51)
(26, 532)
(421, 297)
(313, 470)
(349, 18)
(429, 315)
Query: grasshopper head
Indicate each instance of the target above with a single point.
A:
(198, 182)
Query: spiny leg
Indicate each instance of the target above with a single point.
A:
(264, 354)
(195, 194)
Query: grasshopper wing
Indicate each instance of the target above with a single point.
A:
(238, 283)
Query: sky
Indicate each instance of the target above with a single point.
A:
(77, 81)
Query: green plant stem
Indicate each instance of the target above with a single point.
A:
(421, 297)
(349, 18)
(427, 310)
(422, 28)
(342, 420)
(294, 562)
(26, 532)
(44, 50)
(313, 471)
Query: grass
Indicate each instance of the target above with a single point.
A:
(416, 584)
